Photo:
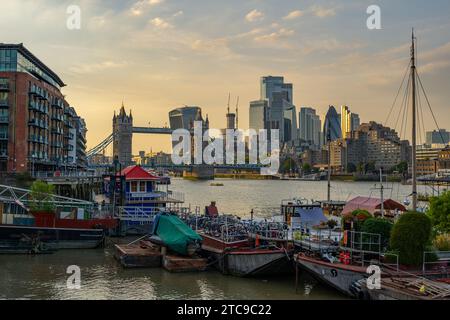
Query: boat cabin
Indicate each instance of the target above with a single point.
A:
(301, 213)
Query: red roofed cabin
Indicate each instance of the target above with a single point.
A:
(143, 199)
(373, 206)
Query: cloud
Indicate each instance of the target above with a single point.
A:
(96, 67)
(294, 15)
(140, 6)
(254, 15)
(322, 12)
(160, 23)
(177, 14)
(274, 36)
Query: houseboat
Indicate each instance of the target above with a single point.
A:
(136, 196)
(65, 223)
(231, 249)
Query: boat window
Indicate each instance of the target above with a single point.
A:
(142, 186)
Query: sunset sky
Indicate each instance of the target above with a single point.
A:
(160, 54)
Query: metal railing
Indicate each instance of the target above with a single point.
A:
(441, 258)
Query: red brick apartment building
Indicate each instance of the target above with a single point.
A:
(39, 130)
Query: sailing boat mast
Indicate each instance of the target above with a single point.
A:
(413, 84)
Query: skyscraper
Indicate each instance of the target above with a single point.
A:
(332, 127)
(310, 126)
(349, 121)
(184, 117)
(280, 113)
(258, 115)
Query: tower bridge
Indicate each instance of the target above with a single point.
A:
(121, 139)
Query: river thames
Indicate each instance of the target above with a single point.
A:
(44, 276)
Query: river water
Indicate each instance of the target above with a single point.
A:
(44, 276)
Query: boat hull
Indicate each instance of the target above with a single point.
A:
(339, 276)
(254, 263)
(21, 239)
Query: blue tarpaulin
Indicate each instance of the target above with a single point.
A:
(310, 217)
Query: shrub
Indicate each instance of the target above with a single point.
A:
(439, 212)
(442, 242)
(410, 237)
(379, 226)
(41, 196)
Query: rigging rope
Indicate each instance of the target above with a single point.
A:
(398, 93)
(429, 106)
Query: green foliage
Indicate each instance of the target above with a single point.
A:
(289, 165)
(331, 223)
(41, 196)
(379, 226)
(351, 168)
(442, 242)
(306, 168)
(358, 217)
(370, 167)
(410, 237)
(439, 212)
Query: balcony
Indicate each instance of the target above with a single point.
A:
(57, 144)
(57, 117)
(57, 103)
(4, 103)
(57, 131)
(3, 135)
(3, 153)
(4, 86)
(39, 107)
(38, 139)
(38, 123)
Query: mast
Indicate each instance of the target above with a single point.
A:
(413, 84)
(382, 193)
(329, 162)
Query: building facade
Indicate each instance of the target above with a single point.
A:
(438, 137)
(310, 127)
(38, 127)
(275, 108)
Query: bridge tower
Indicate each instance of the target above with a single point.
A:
(123, 137)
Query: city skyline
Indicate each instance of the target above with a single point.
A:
(157, 55)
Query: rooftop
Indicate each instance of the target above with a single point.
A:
(26, 53)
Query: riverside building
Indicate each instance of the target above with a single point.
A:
(39, 130)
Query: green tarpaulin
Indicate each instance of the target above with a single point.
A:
(175, 233)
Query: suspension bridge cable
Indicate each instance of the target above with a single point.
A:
(398, 93)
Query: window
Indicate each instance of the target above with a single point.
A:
(133, 186)
(142, 186)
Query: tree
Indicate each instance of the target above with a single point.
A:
(289, 165)
(370, 167)
(379, 226)
(439, 212)
(402, 167)
(360, 168)
(410, 236)
(306, 168)
(42, 196)
(351, 168)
